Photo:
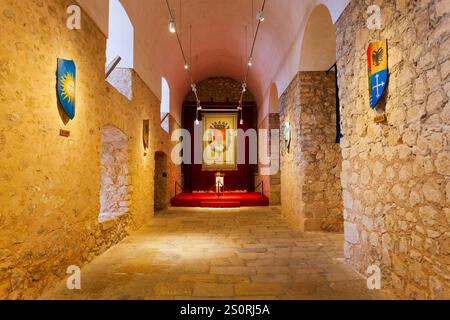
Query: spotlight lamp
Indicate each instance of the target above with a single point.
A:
(241, 122)
(250, 63)
(260, 16)
(197, 122)
(186, 66)
(172, 26)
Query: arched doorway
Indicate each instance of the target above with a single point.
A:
(161, 194)
(313, 199)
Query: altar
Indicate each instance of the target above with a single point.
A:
(220, 182)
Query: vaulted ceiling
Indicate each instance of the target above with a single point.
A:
(219, 41)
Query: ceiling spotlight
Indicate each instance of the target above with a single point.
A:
(250, 62)
(172, 26)
(260, 16)
(186, 66)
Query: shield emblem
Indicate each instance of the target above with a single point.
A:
(66, 86)
(377, 59)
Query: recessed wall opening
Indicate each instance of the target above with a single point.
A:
(161, 194)
(165, 105)
(114, 193)
(120, 49)
(322, 192)
(121, 36)
(314, 198)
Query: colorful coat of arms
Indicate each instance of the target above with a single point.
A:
(377, 59)
(220, 142)
(66, 86)
(219, 139)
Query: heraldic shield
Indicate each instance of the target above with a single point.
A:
(377, 58)
(66, 86)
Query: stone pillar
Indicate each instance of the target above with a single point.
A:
(272, 183)
(311, 189)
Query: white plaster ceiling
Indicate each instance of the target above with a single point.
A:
(218, 41)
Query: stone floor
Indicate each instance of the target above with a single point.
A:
(248, 253)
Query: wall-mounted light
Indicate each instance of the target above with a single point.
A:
(241, 122)
(260, 16)
(197, 122)
(186, 66)
(250, 63)
(172, 26)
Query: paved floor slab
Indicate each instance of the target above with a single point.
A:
(244, 253)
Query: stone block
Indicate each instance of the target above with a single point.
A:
(258, 289)
(351, 234)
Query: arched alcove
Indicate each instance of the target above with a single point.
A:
(165, 104)
(114, 194)
(319, 42)
(121, 36)
(322, 192)
(120, 44)
(314, 196)
(274, 102)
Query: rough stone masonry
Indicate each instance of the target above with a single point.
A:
(396, 175)
(50, 185)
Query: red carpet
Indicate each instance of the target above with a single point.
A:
(226, 200)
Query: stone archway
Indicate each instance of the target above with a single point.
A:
(313, 199)
(161, 194)
(114, 194)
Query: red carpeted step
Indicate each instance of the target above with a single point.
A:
(220, 204)
(226, 200)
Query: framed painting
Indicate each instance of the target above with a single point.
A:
(219, 142)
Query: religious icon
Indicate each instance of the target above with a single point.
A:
(66, 87)
(219, 145)
(377, 60)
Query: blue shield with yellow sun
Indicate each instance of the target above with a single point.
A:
(66, 86)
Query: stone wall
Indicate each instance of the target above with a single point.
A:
(219, 90)
(161, 183)
(272, 183)
(396, 174)
(311, 194)
(50, 185)
(114, 195)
